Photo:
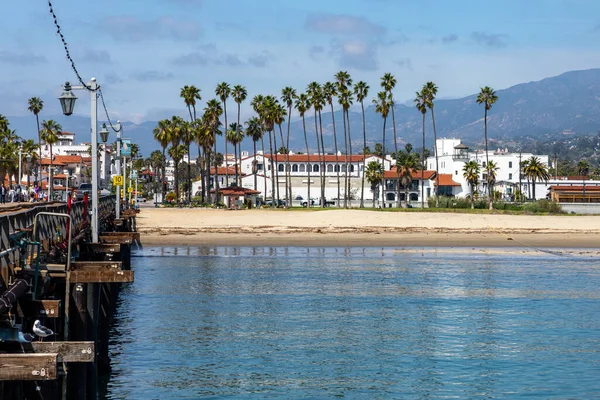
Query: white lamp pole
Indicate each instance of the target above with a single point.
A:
(67, 100)
(118, 166)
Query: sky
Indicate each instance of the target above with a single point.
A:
(143, 51)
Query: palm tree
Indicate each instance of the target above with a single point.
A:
(491, 170)
(487, 97)
(471, 173)
(223, 91)
(329, 91)
(524, 165)
(288, 95)
(382, 107)
(190, 94)
(49, 134)
(345, 100)
(421, 104)
(388, 83)
(35, 106)
(302, 105)
(157, 161)
(161, 134)
(317, 100)
(257, 104)
(29, 150)
(176, 152)
(344, 81)
(406, 163)
(361, 90)
(431, 91)
(280, 114)
(255, 131)
(212, 113)
(374, 174)
(235, 135)
(536, 171)
(583, 168)
(205, 138)
(239, 95)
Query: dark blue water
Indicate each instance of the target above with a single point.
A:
(357, 323)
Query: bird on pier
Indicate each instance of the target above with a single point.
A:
(40, 330)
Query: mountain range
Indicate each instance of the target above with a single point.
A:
(565, 104)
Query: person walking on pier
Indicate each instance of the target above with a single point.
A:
(3, 194)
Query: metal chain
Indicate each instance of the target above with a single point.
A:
(106, 112)
(62, 38)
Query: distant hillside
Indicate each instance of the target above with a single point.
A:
(541, 110)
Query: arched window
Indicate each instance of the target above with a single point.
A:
(287, 167)
(351, 167)
(329, 168)
(302, 168)
(337, 168)
(295, 168)
(344, 168)
(390, 196)
(280, 167)
(316, 168)
(413, 197)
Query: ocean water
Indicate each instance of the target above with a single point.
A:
(357, 323)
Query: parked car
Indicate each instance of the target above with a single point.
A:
(279, 203)
(140, 199)
(305, 203)
(83, 189)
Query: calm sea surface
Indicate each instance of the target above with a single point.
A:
(356, 323)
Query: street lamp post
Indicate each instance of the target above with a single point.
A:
(20, 162)
(118, 166)
(67, 102)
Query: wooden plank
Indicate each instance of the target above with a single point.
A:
(28, 367)
(67, 351)
(95, 264)
(134, 235)
(104, 247)
(102, 275)
(49, 308)
(116, 240)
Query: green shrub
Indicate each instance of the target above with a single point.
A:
(543, 206)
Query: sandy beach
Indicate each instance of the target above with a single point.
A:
(169, 226)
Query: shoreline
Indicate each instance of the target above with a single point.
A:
(338, 228)
(376, 239)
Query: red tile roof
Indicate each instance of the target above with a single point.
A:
(391, 174)
(237, 191)
(221, 171)
(446, 180)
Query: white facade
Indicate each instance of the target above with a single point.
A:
(452, 160)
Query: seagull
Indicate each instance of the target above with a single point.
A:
(40, 330)
(25, 337)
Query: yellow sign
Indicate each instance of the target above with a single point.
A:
(129, 189)
(118, 180)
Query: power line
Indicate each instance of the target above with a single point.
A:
(62, 38)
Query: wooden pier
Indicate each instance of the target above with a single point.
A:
(71, 288)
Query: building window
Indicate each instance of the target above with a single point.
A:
(280, 167)
(509, 177)
(344, 168)
(329, 168)
(455, 172)
(483, 163)
(390, 196)
(302, 168)
(259, 167)
(337, 168)
(510, 164)
(351, 167)
(295, 168)
(316, 168)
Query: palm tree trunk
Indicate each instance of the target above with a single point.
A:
(273, 162)
(383, 165)
(253, 166)
(216, 182)
(201, 166)
(345, 159)
(533, 187)
(164, 174)
(308, 166)
(323, 179)
(424, 162)
(437, 166)
(50, 183)
(362, 188)
(348, 165)
(262, 140)
(472, 197)
(189, 176)
(406, 194)
(318, 154)
(207, 154)
(235, 154)
(238, 179)
(176, 183)
(37, 120)
(240, 166)
(337, 160)
(398, 204)
(285, 162)
(487, 159)
(225, 137)
(374, 195)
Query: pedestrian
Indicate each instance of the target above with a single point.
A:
(3, 194)
(11, 194)
(18, 193)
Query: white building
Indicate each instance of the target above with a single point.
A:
(453, 155)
